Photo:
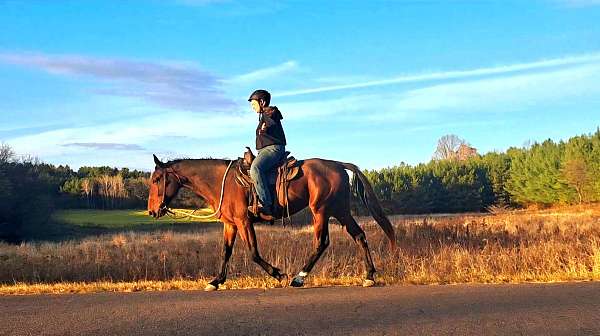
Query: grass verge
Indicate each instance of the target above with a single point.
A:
(501, 248)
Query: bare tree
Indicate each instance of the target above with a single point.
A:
(6, 156)
(575, 172)
(87, 188)
(447, 147)
(6, 153)
(118, 190)
(104, 190)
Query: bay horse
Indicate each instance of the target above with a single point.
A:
(323, 186)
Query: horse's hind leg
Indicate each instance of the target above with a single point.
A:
(321, 228)
(359, 237)
(229, 233)
(250, 237)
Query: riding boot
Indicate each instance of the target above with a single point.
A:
(277, 210)
(263, 212)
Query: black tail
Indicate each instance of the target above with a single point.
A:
(362, 187)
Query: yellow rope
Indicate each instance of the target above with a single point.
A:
(191, 214)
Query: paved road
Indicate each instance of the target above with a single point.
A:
(530, 309)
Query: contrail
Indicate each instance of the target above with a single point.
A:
(551, 63)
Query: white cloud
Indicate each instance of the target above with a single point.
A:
(515, 92)
(264, 73)
(149, 129)
(344, 106)
(105, 146)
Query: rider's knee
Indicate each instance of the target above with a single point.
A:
(254, 172)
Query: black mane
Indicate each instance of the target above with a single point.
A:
(203, 161)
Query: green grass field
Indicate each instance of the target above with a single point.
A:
(120, 219)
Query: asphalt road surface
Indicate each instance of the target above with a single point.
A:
(529, 309)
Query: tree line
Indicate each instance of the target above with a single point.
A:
(105, 188)
(30, 190)
(542, 174)
(112, 188)
(29, 193)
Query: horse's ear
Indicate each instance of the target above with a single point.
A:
(158, 162)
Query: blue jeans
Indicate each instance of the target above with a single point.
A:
(262, 166)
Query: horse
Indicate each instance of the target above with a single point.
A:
(323, 186)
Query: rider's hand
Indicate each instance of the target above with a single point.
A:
(263, 129)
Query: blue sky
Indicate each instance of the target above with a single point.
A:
(111, 82)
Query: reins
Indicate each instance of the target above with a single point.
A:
(191, 214)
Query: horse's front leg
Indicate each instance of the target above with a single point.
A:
(250, 237)
(229, 233)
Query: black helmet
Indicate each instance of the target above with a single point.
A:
(261, 94)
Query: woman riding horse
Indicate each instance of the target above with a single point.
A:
(270, 144)
(323, 186)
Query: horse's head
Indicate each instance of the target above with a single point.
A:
(164, 185)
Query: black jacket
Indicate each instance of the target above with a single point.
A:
(273, 135)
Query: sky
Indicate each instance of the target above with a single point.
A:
(377, 83)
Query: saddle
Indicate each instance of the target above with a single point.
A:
(287, 170)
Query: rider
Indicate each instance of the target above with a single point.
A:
(270, 143)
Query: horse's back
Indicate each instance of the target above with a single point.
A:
(325, 173)
(321, 165)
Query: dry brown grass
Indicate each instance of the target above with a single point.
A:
(509, 247)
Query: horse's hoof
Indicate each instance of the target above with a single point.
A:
(280, 277)
(368, 283)
(210, 288)
(298, 281)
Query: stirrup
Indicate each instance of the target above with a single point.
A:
(259, 213)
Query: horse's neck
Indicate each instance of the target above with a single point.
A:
(203, 178)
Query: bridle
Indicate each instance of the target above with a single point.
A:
(164, 207)
(166, 171)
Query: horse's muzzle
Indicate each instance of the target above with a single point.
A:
(157, 214)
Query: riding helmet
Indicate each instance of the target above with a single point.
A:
(261, 94)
